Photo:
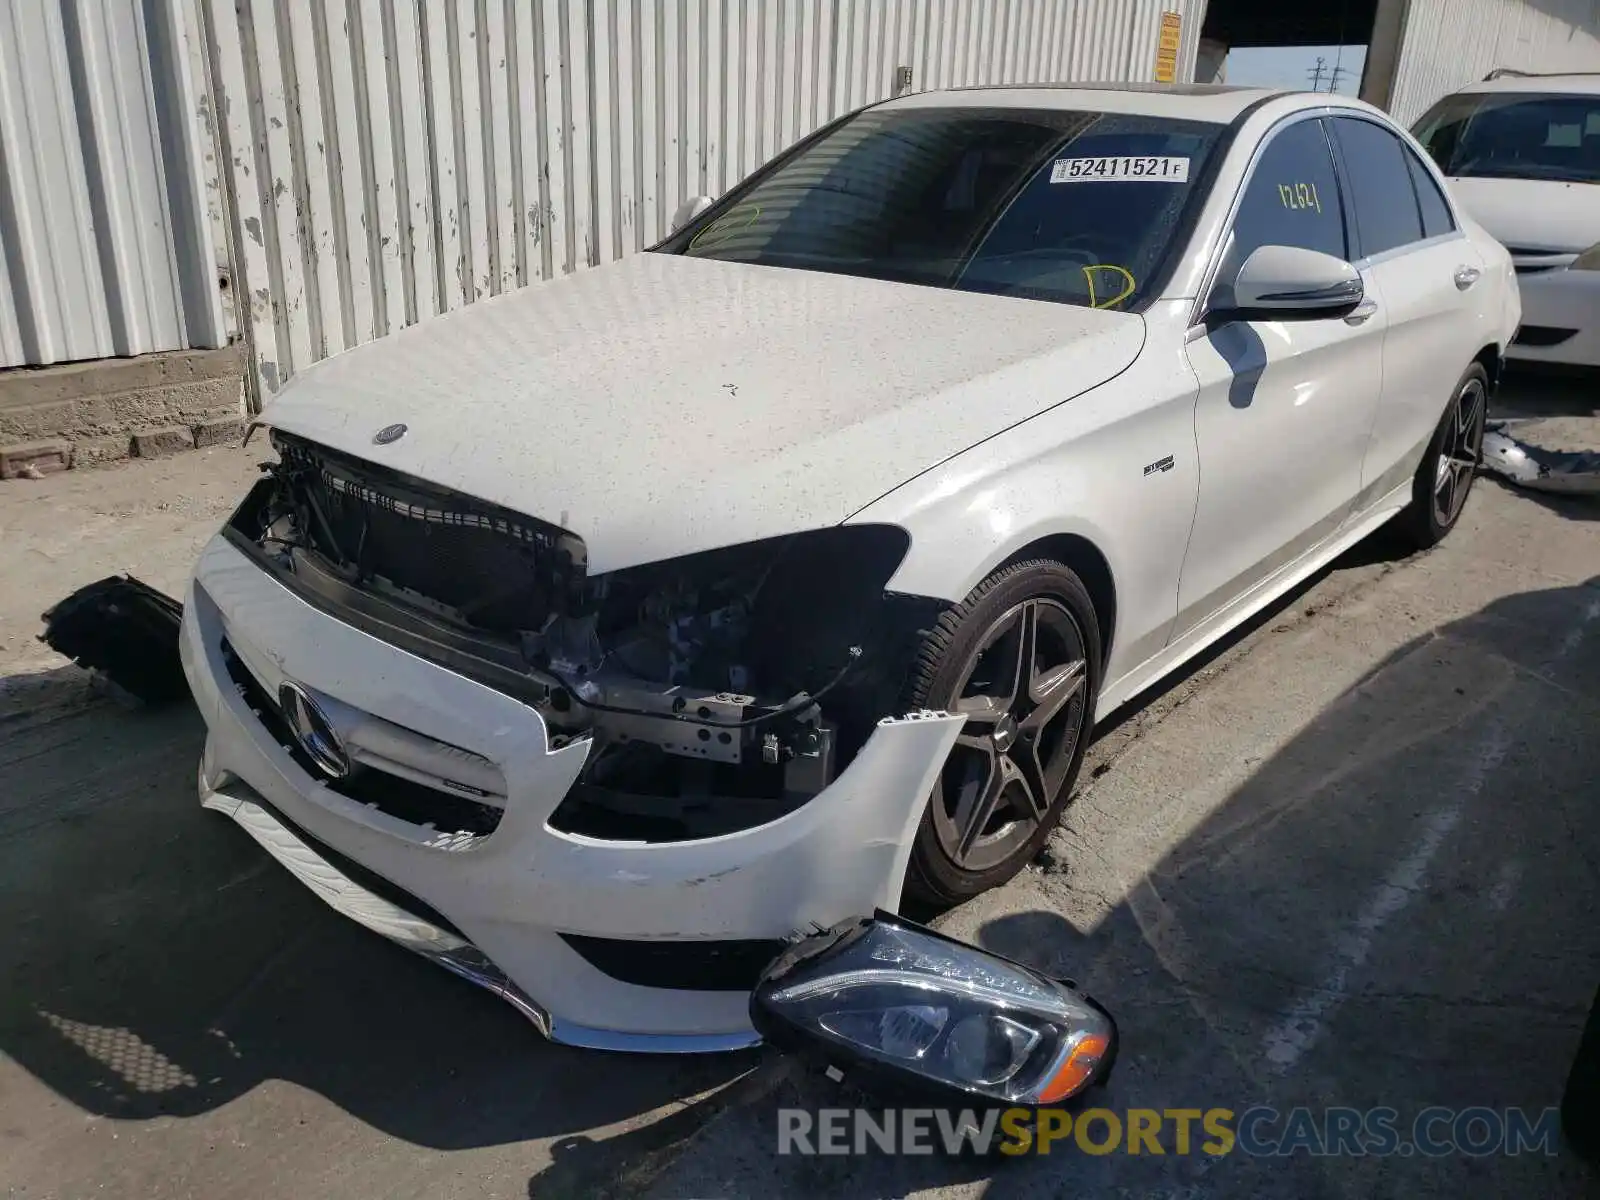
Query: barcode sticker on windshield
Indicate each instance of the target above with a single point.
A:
(1106, 170)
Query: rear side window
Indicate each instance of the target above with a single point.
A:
(1292, 198)
(1436, 218)
(1387, 215)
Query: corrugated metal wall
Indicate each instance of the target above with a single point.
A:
(1450, 43)
(104, 245)
(386, 160)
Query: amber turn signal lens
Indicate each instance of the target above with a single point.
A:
(1077, 1071)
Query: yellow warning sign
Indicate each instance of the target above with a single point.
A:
(1167, 48)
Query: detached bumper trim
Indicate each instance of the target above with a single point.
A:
(440, 945)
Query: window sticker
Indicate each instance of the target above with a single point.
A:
(1119, 170)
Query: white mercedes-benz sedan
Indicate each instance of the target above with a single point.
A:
(595, 639)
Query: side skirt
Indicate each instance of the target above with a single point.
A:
(1272, 588)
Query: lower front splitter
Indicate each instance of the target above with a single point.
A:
(445, 947)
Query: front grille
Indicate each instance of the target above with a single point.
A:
(401, 798)
(500, 571)
(1542, 335)
(699, 966)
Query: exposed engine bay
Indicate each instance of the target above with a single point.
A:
(720, 690)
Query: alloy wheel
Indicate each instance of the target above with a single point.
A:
(1459, 453)
(1023, 692)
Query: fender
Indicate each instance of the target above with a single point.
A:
(1116, 466)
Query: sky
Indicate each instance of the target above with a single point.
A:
(1291, 66)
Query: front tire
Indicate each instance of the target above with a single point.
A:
(1021, 658)
(1444, 477)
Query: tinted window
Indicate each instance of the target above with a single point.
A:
(1515, 135)
(1292, 198)
(1076, 207)
(1436, 218)
(1380, 185)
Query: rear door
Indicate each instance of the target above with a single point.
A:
(1427, 276)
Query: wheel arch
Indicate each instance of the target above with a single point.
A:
(1492, 359)
(1090, 564)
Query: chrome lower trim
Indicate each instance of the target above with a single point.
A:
(581, 1036)
(366, 908)
(233, 798)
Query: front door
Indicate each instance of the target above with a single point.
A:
(1286, 407)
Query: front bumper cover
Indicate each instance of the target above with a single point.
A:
(510, 895)
(1560, 299)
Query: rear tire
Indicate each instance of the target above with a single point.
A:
(1444, 477)
(1021, 656)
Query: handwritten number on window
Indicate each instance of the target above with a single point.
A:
(1300, 196)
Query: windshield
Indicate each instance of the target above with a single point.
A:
(1515, 135)
(1073, 207)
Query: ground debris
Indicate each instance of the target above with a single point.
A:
(1533, 467)
(127, 631)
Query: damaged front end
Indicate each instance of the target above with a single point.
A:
(719, 690)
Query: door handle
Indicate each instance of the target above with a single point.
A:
(1361, 312)
(1466, 277)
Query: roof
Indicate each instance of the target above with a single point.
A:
(1576, 82)
(1195, 102)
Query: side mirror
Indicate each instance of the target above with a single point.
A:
(1290, 280)
(886, 998)
(689, 210)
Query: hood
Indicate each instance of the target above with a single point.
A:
(1533, 214)
(663, 405)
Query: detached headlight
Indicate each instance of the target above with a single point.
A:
(1589, 260)
(894, 998)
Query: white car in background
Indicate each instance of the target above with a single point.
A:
(1523, 156)
(596, 638)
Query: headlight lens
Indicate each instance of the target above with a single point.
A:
(1589, 260)
(904, 998)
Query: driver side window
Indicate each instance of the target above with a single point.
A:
(1292, 198)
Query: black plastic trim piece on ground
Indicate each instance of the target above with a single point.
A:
(128, 631)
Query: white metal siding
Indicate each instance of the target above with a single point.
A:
(104, 246)
(1450, 43)
(386, 160)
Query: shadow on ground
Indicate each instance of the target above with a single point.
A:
(162, 966)
(1533, 391)
(156, 963)
(1395, 909)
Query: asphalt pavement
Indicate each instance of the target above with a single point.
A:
(1351, 858)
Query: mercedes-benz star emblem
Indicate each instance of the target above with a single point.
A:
(388, 434)
(313, 730)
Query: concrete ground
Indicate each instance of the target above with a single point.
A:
(1351, 859)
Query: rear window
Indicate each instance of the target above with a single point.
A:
(1515, 135)
(1072, 207)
